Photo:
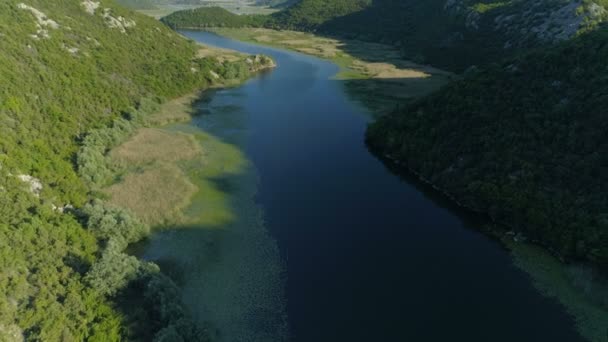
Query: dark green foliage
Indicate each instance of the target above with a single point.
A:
(53, 97)
(212, 17)
(161, 296)
(276, 3)
(139, 4)
(113, 271)
(117, 274)
(44, 254)
(524, 140)
(113, 224)
(308, 15)
(91, 160)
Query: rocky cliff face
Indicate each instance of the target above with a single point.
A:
(455, 34)
(545, 21)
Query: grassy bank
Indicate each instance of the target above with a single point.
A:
(378, 77)
(162, 170)
(197, 187)
(156, 171)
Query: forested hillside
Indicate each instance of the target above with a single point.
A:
(452, 34)
(456, 34)
(307, 15)
(524, 140)
(211, 17)
(149, 4)
(79, 76)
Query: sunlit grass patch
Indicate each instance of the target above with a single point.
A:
(177, 110)
(156, 195)
(219, 53)
(169, 178)
(155, 145)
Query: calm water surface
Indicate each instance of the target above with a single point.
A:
(326, 242)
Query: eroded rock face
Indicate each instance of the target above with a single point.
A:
(120, 23)
(34, 183)
(90, 6)
(43, 23)
(11, 333)
(543, 22)
(546, 21)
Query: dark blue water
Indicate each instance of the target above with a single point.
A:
(368, 255)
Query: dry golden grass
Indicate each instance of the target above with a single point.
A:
(160, 192)
(376, 74)
(176, 110)
(152, 145)
(222, 55)
(157, 195)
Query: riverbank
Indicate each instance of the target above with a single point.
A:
(155, 165)
(376, 74)
(581, 288)
(550, 276)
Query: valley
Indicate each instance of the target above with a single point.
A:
(306, 170)
(376, 74)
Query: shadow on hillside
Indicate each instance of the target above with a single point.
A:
(426, 32)
(382, 96)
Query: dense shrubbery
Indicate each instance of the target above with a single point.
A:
(92, 163)
(524, 140)
(116, 273)
(84, 87)
(309, 15)
(304, 15)
(212, 17)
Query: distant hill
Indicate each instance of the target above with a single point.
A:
(211, 17)
(309, 15)
(452, 34)
(150, 4)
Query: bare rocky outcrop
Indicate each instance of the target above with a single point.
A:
(260, 62)
(214, 74)
(35, 185)
(11, 333)
(43, 23)
(546, 21)
(121, 23)
(90, 6)
(547, 25)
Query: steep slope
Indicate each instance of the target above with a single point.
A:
(78, 76)
(524, 141)
(452, 34)
(308, 15)
(211, 17)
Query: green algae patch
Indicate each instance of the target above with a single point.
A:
(210, 206)
(578, 288)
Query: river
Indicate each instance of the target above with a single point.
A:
(321, 242)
